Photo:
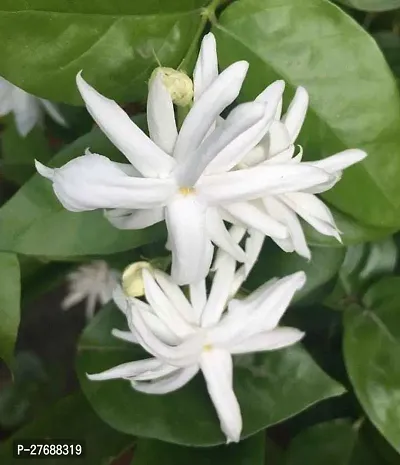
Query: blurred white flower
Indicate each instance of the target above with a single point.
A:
(185, 336)
(28, 110)
(94, 283)
(185, 178)
(278, 147)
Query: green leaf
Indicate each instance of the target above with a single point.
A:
(333, 443)
(372, 354)
(390, 45)
(45, 43)
(307, 43)
(19, 152)
(247, 452)
(35, 223)
(274, 262)
(10, 289)
(187, 416)
(72, 418)
(372, 5)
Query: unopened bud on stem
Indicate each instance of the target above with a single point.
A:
(178, 84)
(132, 279)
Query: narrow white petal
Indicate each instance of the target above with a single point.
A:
(278, 139)
(254, 217)
(236, 232)
(267, 340)
(251, 183)
(175, 296)
(54, 112)
(314, 211)
(253, 248)
(134, 219)
(27, 111)
(206, 69)
(221, 237)
(93, 181)
(278, 210)
(165, 308)
(323, 186)
(228, 144)
(182, 355)
(340, 161)
(285, 156)
(294, 117)
(124, 335)
(272, 92)
(191, 248)
(160, 115)
(160, 372)
(198, 298)
(169, 383)
(126, 370)
(141, 151)
(120, 299)
(220, 292)
(216, 366)
(221, 93)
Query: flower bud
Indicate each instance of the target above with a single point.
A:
(132, 279)
(178, 84)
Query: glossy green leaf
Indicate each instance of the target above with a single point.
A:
(18, 152)
(35, 223)
(273, 261)
(333, 443)
(307, 43)
(372, 355)
(72, 418)
(10, 290)
(372, 5)
(248, 452)
(45, 43)
(270, 388)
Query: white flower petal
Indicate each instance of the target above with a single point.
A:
(314, 211)
(285, 215)
(141, 151)
(206, 69)
(126, 370)
(134, 219)
(93, 181)
(165, 308)
(159, 372)
(127, 336)
(251, 183)
(253, 248)
(160, 115)
(26, 110)
(340, 161)
(294, 117)
(198, 298)
(169, 383)
(269, 94)
(191, 248)
(220, 292)
(221, 237)
(254, 217)
(216, 366)
(267, 340)
(278, 139)
(221, 93)
(120, 299)
(236, 232)
(175, 296)
(53, 112)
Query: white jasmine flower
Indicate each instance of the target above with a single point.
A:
(184, 178)
(93, 283)
(28, 110)
(185, 336)
(278, 147)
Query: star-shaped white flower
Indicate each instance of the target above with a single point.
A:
(28, 110)
(184, 178)
(187, 335)
(94, 283)
(278, 147)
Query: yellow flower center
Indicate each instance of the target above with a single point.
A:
(207, 347)
(186, 190)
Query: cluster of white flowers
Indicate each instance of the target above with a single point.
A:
(240, 170)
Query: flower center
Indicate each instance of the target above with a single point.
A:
(207, 347)
(185, 191)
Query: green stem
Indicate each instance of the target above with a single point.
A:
(207, 14)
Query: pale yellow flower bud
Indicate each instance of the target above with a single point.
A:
(132, 279)
(178, 84)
